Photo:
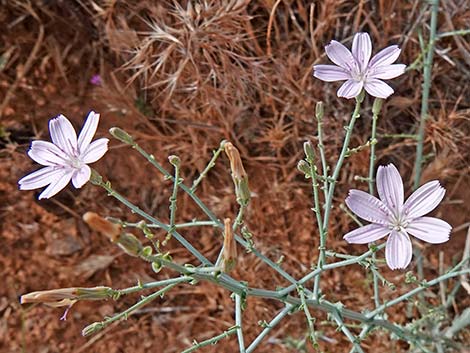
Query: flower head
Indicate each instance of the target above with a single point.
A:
(391, 215)
(66, 158)
(358, 69)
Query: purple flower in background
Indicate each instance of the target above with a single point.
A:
(95, 80)
(66, 158)
(358, 69)
(392, 216)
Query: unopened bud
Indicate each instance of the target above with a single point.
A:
(239, 176)
(95, 177)
(102, 225)
(360, 97)
(229, 254)
(377, 106)
(121, 135)
(130, 244)
(304, 168)
(174, 160)
(92, 328)
(309, 151)
(66, 296)
(319, 110)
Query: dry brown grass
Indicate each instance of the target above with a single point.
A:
(182, 76)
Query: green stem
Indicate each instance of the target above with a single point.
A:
(211, 341)
(209, 166)
(238, 322)
(97, 326)
(151, 285)
(415, 291)
(273, 323)
(176, 182)
(97, 180)
(178, 225)
(427, 73)
(316, 272)
(329, 200)
(321, 147)
(310, 321)
(347, 333)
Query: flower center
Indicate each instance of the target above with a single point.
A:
(75, 162)
(398, 223)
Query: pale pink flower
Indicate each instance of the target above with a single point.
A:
(66, 158)
(392, 216)
(358, 69)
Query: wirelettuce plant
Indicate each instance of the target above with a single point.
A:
(67, 158)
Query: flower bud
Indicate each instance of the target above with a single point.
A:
(66, 296)
(130, 244)
(319, 110)
(103, 226)
(377, 106)
(121, 135)
(92, 328)
(304, 168)
(239, 176)
(309, 151)
(95, 177)
(229, 254)
(174, 160)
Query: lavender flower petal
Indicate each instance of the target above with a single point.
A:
(81, 176)
(424, 200)
(39, 178)
(88, 131)
(46, 153)
(377, 88)
(390, 187)
(387, 71)
(350, 89)
(57, 184)
(366, 234)
(341, 55)
(330, 73)
(430, 229)
(368, 207)
(95, 150)
(386, 56)
(398, 250)
(63, 134)
(362, 49)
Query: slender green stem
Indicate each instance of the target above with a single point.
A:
(96, 326)
(321, 148)
(151, 285)
(329, 200)
(310, 321)
(347, 333)
(97, 180)
(176, 182)
(209, 166)
(427, 78)
(373, 141)
(458, 32)
(238, 322)
(415, 291)
(208, 212)
(273, 323)
(316, 272)
(178, 225)
(211, 341)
